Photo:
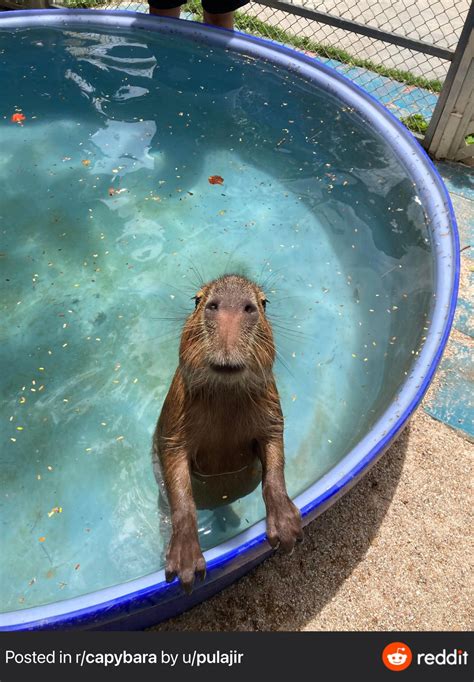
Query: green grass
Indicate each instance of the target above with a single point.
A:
(249, 24)
(82, 4)
(470, 139)
(417, 123)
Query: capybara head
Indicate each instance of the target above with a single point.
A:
(228, 340)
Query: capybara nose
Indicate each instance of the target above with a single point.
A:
(228, 327)
(246, 311)
(230, 319)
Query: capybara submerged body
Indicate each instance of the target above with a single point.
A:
(220, 431)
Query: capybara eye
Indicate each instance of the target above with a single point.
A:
(212, 305)
(250, 308)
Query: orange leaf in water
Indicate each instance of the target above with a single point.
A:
(18, 118)
(42, 538)
(86, 162)
(216, 180)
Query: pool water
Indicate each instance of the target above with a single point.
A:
(108, 227)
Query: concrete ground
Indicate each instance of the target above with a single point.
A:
(433, 21)
(395, 553)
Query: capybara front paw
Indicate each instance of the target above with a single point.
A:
(284, 527)
(184, 560)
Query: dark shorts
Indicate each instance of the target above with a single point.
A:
(211, 6)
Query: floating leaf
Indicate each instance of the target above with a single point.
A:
(216, 180)
(18, 118)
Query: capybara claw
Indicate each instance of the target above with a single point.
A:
(185, 561)
(284, 527)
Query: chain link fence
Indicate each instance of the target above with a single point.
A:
(398, 50)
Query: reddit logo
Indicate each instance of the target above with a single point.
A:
(397, 656)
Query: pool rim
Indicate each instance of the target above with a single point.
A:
(115, 604)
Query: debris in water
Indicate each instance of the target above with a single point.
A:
(216, 180)
(18, 118)
(55, 510)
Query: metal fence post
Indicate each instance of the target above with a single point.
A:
(453, 117)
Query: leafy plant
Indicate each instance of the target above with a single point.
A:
(417, 123)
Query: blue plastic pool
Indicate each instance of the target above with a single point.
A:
(112, 125)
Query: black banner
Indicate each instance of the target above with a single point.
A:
(236, 657)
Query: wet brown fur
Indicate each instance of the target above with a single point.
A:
(220, 431)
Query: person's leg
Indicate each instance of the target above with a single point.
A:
(225, 20)
(173, 12)
(221, 12)
(166, 8)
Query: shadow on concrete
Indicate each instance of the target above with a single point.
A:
(285, 592)
(458, 177)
